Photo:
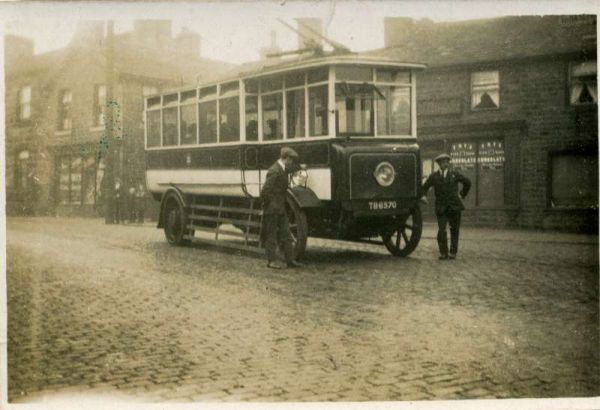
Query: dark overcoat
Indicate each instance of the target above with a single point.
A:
(446, 190)
(274, 191)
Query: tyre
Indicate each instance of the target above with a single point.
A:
(298, 227)
(405, 234)
(175, 222)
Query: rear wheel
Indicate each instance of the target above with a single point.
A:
(404, 236)
(298, 227)
(175, 222)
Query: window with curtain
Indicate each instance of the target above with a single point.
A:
(485, 90)
(64, 109)
(99, 104)
(583, 83)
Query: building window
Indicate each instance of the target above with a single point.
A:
(99, 104)
(583, 83)
(482, 161)
(64, 110)
(574, 180)
(485, 90)
(24, 107)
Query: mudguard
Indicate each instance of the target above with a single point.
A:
(174, 191)
(304, 197)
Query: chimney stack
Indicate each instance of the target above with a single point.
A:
(89, 33)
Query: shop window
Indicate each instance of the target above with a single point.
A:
(295, 113)
(252, 118)
(64, 109)
(272, 113)
(99, 104)
(76, 178)
(583, 83)
(574, 179)
(354, 109)
(170, 131)
(153, 128)
(24, 106)
(485, 90)
(64, 181)
(482, 161)
(317, 109)
(89, 180)
(229, 123)
(207, 122)
(189, 124)
(393, 111)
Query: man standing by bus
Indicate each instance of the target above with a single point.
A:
(276, 230)
(448, 205)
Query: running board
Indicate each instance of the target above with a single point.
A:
(242, 230)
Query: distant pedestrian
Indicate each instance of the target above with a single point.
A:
(448, 205)
(275, 224)
(140, 195)
(118, 196)
(131, 204)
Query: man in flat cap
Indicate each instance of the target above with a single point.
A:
(448, 205)
(276, 230)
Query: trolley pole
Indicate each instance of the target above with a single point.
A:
(109, 173)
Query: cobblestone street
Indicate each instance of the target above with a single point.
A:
(103, 309)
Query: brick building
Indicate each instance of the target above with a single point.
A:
(514, 101)
(55, 108)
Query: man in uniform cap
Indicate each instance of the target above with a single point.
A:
(276, 230)
(448, 205)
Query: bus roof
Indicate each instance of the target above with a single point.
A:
(299, 62)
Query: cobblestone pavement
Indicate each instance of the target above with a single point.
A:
(115, 309)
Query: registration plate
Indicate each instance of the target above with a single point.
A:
(381, 205)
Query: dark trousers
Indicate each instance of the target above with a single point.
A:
(451, 218)
(276, 231)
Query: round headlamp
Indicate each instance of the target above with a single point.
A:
(299, 178)
(384, 174)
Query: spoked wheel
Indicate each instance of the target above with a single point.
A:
(175, 223)
(405, 234)
(298, 227)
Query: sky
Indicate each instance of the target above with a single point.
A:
(235, 31)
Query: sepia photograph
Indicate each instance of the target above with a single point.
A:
(271, 202)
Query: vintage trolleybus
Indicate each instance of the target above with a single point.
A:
(351, 118)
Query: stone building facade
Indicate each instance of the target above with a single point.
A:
(55, 108)
(514, 101)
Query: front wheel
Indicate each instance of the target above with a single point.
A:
(403, 237)
(298, 227)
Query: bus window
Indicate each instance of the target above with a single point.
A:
(272, 113)
(271, 84)
(295, 113)
(170, 131)
(252, 118)
(317, 109)
(229, 123)
(229, 89)
(318, 75)
(352, 73)
(393, 76)
(294, 80)
(189, 124)
(393, 112)
(354, 109)
(207, 121)
(153, 130)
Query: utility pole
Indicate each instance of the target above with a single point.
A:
(109, 134)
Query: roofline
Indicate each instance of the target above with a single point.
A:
(296, 65)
